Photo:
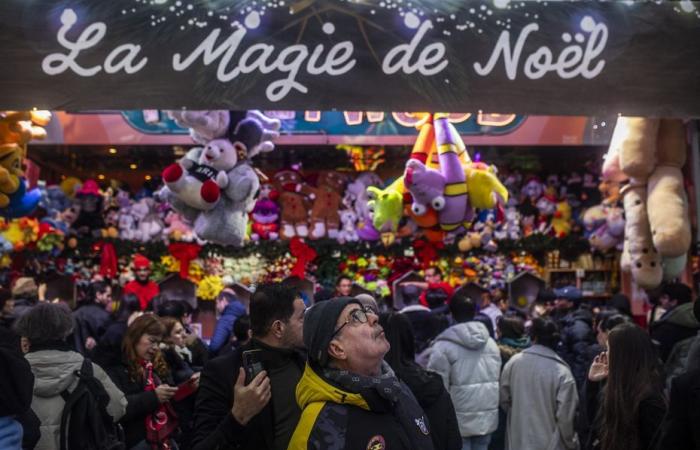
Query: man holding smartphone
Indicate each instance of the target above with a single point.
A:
(233, 412)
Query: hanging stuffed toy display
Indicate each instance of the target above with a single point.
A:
(214, 186)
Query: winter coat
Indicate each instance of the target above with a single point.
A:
(432, 396)
(577, 338)
(224, 326)
(673, 327)
(681, 431)
(16, 388)
(335, 418)
(54, 372)
(90, 321)
(469, 362)
(215, 427)
(651, 414)
(109, 348)
(538, 392)
(10, 434)
(511, 347)
(139, 402)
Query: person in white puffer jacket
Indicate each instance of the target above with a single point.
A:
(470, 364)
(45, 330)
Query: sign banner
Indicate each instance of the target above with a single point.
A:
(505, 56)
(347, 123)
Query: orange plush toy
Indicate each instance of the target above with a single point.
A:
(20, 127)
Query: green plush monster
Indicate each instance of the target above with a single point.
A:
(386, 206)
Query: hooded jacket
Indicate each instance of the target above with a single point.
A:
(54, 372)
(675, 326)
(470, 364)
(224, 326)
(335, 418)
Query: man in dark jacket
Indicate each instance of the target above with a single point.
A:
(680, 430)
(577, 337)
(230, 309)
(234, 414)
(92, 318)
(350, 397)
(678, 322)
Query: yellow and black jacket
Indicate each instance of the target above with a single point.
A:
(335, 418)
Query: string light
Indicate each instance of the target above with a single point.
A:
(112, 151)
(133, 166)
(148, 178)
(101, 177)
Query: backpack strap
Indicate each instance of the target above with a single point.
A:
(70, 399)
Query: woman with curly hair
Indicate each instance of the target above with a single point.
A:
(150, 421)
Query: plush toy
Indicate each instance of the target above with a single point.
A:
(294, 203)
(177, 229)
(510, 228)
(20, 127)
(127, 224)
(264, 220)
(356, 198)
(639, 255)
(149, 226)
(231, 183)
(226, 224)
(348, 232)
(532, 190)
(561, 222)
(90, 221)
(485, 189)
(651, 153)
(327, 196)
(10, 171)
(609, 233)
(386, 206)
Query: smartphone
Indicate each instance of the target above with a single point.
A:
(252, 363)
(184, 390)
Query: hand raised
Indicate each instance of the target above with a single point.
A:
(599, 368)
(249, 400)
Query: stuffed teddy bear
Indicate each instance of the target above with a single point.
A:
(348, 232)
(227, 223)
(231, 182)
(651, 152)
(177, 229)
(149, 226)
(294, 202)
(265, 216)
(10, 171)
(127, 225)
(327, 197)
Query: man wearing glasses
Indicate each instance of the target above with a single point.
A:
(350, 398)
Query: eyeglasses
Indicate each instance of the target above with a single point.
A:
(358, 315)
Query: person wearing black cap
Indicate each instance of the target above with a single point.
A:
(232, 413)
(678, 325)
(350, 397)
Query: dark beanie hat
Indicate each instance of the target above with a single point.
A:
(319, 325)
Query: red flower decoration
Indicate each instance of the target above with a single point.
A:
(304, 255)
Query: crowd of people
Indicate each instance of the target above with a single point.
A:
(125, 370)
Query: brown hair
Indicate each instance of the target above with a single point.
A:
(169, 323)
(146, 324)
(633, 376)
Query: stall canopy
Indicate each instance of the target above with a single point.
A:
(521, 57)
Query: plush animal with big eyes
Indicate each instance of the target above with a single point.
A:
(265, 215)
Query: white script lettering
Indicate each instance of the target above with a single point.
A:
(57, 63)
(399, 57)
(573, 60)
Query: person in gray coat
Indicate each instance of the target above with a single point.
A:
(469, 362)
(538, 392)
(45, 329)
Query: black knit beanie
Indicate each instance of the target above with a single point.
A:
(319, 326)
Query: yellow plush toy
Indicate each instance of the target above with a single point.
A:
(10, 171)
(483, 186)
(561, 222)
(20, 127)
